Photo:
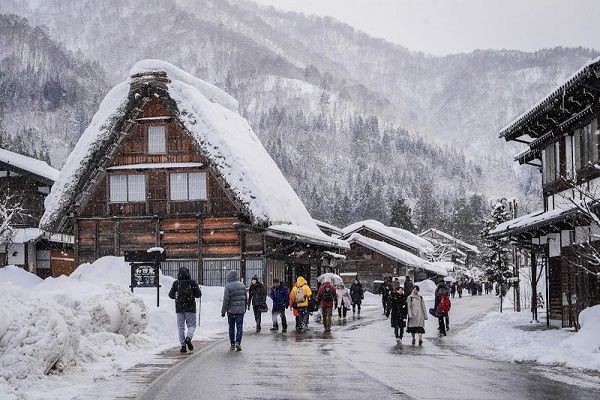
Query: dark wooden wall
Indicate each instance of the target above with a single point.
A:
(369, 265)
(24, 190)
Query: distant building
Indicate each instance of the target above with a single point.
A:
(378, 251)
(27, 182)
(561, 132)
(450, 248)
(168, 161)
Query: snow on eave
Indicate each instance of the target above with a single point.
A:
(395, 253)
(396, 234)
(310, 236)
(328, 226)
(550, 97)
(456, 241)
(29, 164)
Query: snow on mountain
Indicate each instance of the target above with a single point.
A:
(308, 84)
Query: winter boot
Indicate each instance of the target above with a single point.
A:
(420, 342)
(238, 347)
(188, 342)
(275, 328)
(183, 349)
(257, 325)
(232, 346)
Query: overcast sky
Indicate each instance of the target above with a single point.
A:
(452, 26)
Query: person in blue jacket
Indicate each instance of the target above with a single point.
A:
(280, 296)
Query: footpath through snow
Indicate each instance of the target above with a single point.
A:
(60, 335)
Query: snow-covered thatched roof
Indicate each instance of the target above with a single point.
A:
(395, 253)
(224, 137)
(31, 165)
(395, 234)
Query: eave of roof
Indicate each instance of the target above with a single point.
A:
(511, 131)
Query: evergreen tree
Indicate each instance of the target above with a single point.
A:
(496, 258)
(402, 215)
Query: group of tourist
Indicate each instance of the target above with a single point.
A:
(401, 303)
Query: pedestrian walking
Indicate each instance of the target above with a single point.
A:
(257, 298)
(299, 299)
(453, 289)
(397, 310)
(416, 315)
(385, 290)
(234, 304)
(442, 306)
(280, 295)
(185, 291)
(460, 291)
(344, 301)
(408, 285)
(357, 294)
(326, 297)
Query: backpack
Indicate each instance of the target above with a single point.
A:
(185, 293)
(300, 296)
(445, 304)
(327, 294)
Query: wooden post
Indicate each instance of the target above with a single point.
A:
(243, 256)
(534, 315)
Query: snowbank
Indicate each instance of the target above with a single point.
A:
(427, 289)
(85, 327)
(508, 336)
(18, 277)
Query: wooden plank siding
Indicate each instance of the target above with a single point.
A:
(190, 230)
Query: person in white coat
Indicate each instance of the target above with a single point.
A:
(343, 300)
(417, 314)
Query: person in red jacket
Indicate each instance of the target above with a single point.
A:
(326, 297)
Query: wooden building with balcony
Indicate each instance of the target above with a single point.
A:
(168, 161)
(561, 132)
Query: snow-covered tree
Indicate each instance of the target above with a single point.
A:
(402, 215)
(496, 259)
(10, 211)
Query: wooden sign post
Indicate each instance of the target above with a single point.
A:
(145, 267)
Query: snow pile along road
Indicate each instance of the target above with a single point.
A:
(59, 335)
(508, 336)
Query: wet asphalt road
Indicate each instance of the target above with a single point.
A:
(359, 360)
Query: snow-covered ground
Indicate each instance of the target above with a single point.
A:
(61, 335)
(509, 336)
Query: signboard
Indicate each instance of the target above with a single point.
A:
(145, 267)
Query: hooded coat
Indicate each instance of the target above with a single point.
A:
(343, 297)
(300, 284)
(188, 304)
(234, 295)
(417, 314)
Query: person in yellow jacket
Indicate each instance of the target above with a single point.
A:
(299, 297)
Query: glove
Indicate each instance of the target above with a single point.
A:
(223, 315)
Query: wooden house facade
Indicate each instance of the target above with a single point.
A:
(562, 135)
(177, 167)
(26, 182)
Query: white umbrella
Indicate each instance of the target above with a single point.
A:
(331, 277)
(449, 279)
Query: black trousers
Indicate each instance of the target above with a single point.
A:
(399, 331)
(354, 305)
(443, 321)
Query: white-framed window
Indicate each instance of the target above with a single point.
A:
(157, 139)
(188, 185)
(125, 188)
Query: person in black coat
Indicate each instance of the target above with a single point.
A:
(257, 297)
(385, 289)
(185, 291)
(357, 294)
(398, 311)
(408, 285)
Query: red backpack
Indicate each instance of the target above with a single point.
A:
(445, 304)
